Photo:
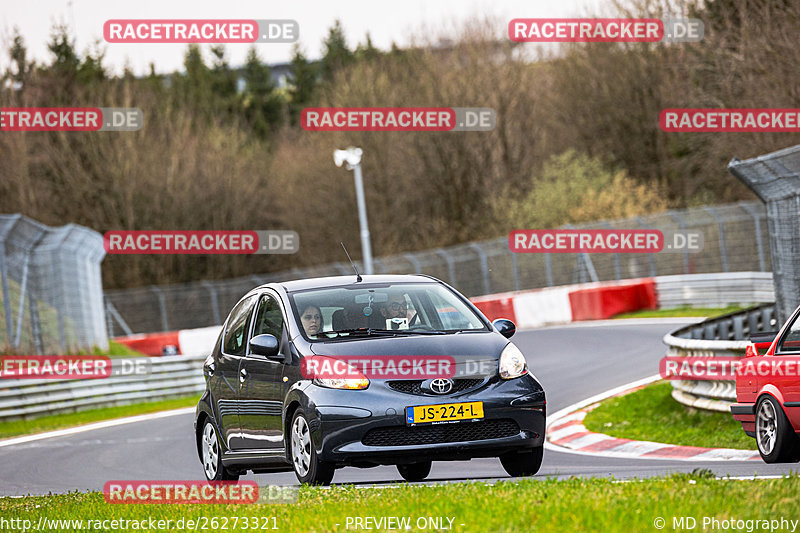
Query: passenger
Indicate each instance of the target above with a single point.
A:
(311, 317)
(397, 307)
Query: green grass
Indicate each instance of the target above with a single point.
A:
(652, 414)
(116, 349)
(15, 428)
(528, 505)
(682, 311)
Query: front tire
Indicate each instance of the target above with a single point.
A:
(526, 463)
(306, 463)
(211, 454)
(776, 440)
(415, 471)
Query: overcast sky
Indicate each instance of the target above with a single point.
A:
(386, 21)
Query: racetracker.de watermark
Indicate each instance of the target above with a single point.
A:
(378, 367)
(623, 241)
(201, 242)
(605, 30)
(201, 31)
(197, 492)
(398, 119)
(726, 368)
(729, 120)
(71, 366)
(70, 119)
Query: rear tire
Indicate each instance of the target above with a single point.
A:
(415, 471)
(306, 463)
(526, 463)
(211, 454)
(776, 440)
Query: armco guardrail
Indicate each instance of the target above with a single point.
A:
(169, 376)
(723, 336)
(715, 290)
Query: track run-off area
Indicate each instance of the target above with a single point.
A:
(573, 363)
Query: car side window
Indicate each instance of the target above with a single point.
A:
(235, 339)
(269, 317)
(791, 340)
(449, 316)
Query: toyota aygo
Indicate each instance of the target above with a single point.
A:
(427, 378)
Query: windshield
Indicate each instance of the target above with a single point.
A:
(380, 310)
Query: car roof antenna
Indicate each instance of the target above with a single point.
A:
(358, 276)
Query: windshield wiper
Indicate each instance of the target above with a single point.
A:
(361, 331)
(417, 331)
(384, 332)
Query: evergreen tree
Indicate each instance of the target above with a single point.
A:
(260, 100)
(303, 82)
(335, 55)
(367, 51)
(18, 55)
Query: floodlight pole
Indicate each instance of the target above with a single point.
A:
(353, 158)
(362, 219)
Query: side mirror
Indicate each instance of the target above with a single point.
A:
(506, 327)
(266, 345)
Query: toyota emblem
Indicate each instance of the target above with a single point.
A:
(441, 385)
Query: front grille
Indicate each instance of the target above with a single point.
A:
(439, 433)
(414, 386)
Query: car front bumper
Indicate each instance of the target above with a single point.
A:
(368, 427)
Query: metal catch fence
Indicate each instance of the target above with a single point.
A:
(52, 290)
(734, 235)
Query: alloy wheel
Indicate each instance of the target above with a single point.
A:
(301, 446)
(210, 451)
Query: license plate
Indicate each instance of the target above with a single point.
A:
(429, 414)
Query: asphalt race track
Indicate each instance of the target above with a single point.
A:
(572, 362)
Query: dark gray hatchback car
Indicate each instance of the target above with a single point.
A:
(266, 409)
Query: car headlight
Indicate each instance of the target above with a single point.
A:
(332, 373)
(341, 383)
(512, 362)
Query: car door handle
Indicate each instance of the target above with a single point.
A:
(242, 375)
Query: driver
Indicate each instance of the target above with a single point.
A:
(311, 317)
(397, 307)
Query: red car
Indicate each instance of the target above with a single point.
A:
(768, 392)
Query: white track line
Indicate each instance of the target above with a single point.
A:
(566, 413)
(96, 425)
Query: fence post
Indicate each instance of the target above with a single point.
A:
(451, 268)
(6, 294)
(514, 269)
(548, 269)
(379, 264)
(36, 326)
(414, 261)
(214, 301)
(682, 225)
(723, 248)
(62, 334)
(109, 319)
(651, 259)
(162, 305)
(759, 244)
(344, 270)
(22, 293)
(587, 262)
(115, 314)
(484, 266)
(617, 269)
